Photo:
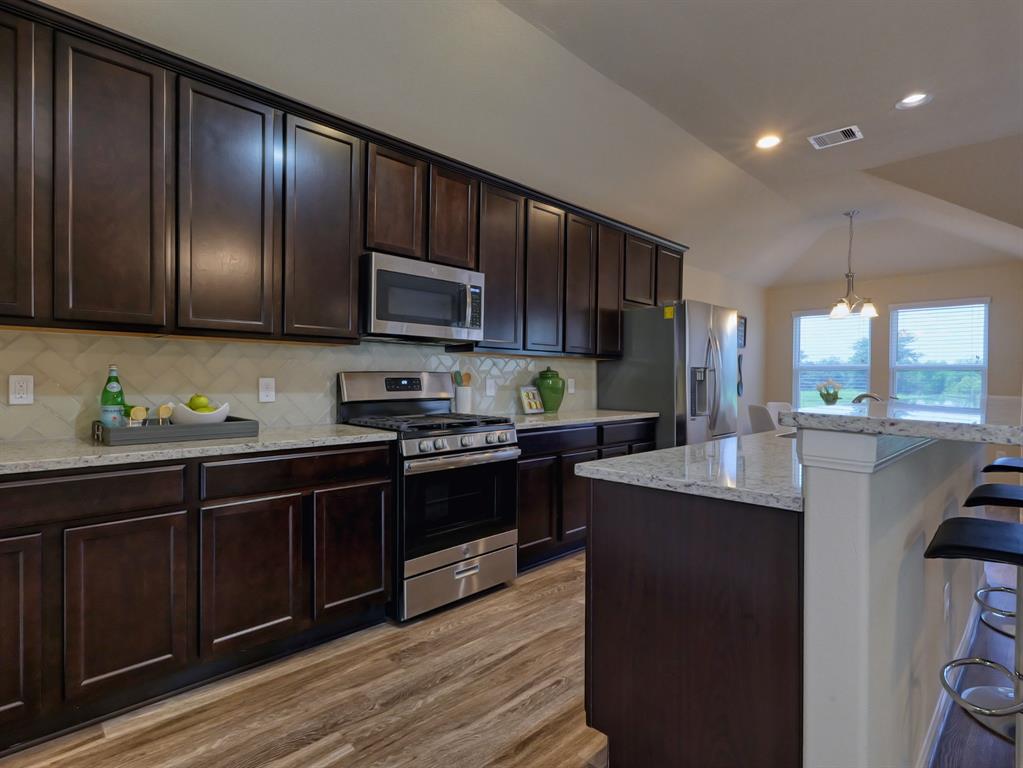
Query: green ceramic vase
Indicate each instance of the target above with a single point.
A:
(552, 389)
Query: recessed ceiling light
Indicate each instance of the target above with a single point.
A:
(917, 99)
(768, 141)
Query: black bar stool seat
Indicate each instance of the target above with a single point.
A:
(996, 494)
(972, 538)
(1005, 464)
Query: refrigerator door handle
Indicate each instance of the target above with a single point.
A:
(715, 409)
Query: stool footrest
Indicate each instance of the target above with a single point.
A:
(1015, 708)
(981, 594)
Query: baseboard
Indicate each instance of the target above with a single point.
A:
(925, 757)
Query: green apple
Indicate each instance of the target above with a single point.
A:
(195, 402)
(204, 409)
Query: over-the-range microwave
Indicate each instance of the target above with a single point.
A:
(418, 299)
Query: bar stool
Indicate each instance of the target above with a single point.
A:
(1005, 464)
(998, 617)
(998, 707)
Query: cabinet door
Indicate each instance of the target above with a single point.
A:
(669, 275)
(250, 572)
(112, 157)
(642, 447)
(126, 601)
(640, 269)
(545, 259)
(610, 276)
(20, 626)
(454, 198)
(322, 230)
(580, 285)
(350, 549)
(17, 147)
(538, 504)
(576, 496)
(395, 202)
(502, 260)
(228, 177)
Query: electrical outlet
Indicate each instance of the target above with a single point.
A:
(267, 390)
(491, 386)
(20, 390)
(570, 385)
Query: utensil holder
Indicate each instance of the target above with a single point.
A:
(463, 399)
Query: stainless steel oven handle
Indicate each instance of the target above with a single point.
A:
(437, 463)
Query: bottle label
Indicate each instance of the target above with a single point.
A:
(112, 415)
(113, 386)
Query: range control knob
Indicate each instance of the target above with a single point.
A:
(466, 441)
(492, 437)
(502, 437)
(439, 444)
(425, 446)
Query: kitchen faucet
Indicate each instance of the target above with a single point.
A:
(866, 396)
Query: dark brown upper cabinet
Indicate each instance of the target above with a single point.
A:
(323, 234)
(502, 259)
(454, 198)
(126, 606)
(545, 260)
(395, 202)
(610, 275)
(18, 259)
(229, 177)
(640, 270)
(112, 157)
(580, 285)
(669, 275)
(21, 596)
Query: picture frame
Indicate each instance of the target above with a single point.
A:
(740, 334)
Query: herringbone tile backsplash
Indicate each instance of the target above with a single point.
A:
(70, 369)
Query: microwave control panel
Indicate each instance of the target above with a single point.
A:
(475, 306)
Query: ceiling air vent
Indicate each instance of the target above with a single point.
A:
(834, 138)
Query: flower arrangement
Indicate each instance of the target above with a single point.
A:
(828, 390)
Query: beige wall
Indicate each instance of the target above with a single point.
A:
(1002, 283)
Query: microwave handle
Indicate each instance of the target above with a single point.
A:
(468, 304)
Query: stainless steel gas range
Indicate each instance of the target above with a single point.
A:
(456, 485)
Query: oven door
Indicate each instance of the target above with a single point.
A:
(406, 297)
(460, 506)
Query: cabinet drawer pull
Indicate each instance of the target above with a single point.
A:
(467, 571)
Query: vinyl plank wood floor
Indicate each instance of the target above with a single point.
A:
(497, 681)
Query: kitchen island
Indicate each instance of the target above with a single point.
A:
(765, 601)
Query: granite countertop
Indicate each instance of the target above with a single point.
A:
(753, 469)
(998, 422)
(49, 455)
(594, 416)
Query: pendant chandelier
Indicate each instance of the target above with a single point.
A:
(851, 304)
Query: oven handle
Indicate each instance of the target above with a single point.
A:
(437, 463)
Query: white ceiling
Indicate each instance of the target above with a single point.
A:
(727, 71)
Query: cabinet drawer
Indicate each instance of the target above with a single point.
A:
(262, 474)
(57, 499)
(628, 432)
(557, 440)
(437, 588)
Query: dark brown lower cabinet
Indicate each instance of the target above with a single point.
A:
(21, 597)
(576, 496)
(125, 611)
(350, 546)
(250, 572)
(554, 504)
(538, 504)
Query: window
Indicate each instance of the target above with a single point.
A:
(829, 348)
(939, 353)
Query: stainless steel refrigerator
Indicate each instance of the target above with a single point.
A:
(681, 361)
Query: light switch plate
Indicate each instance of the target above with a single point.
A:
(491, 386)
(267, 390)
(20, 390)
(570, 386)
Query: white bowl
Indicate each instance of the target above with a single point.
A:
(182, 414)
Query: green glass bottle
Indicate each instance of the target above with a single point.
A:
(111, 402)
